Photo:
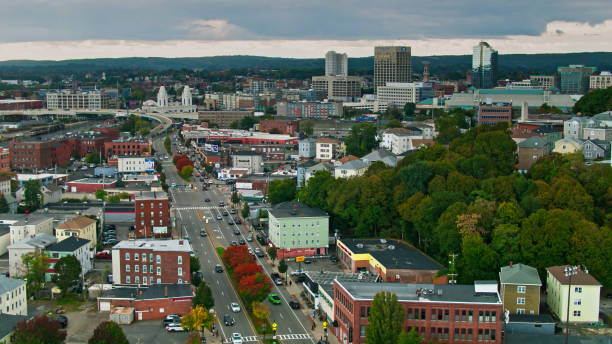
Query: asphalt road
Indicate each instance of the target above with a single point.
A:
(191, 210)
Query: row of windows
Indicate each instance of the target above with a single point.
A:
(151, 205)
(161, 222)
(152, 214)
(344, 301)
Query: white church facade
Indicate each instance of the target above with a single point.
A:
(162, 105)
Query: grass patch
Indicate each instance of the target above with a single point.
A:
(220, 251)
(70, 303)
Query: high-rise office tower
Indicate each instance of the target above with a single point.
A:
(336, 64)
(484, 66)
(575, 79)
(391, 64)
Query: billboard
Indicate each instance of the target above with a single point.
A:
(160, 230)
(149, 165)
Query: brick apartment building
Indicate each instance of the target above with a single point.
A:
(124, 148)
(5, 160)
(148, 261)
(34, 154)
(493, 113)
(283, 126)
(450, 313)
(152, 213)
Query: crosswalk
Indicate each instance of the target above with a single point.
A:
(196, 208)
(284, 337)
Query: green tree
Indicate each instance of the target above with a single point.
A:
(197, 320)
(306, 127)
(272, 252)
(545, 109)
(235, 197)
(393, 124)
(594, 102)
(187, 171)
(114, 199)
(32, 193)
(409, 109)
(362, 139)
(92, 158)
(281, 190)
(68, 271)
(411, 337)
(4, 207)
(506, 242)
(194, 264)
(124, 195)
(591, 247)
(282, 266)
(40, 330)
(260, 311)
(108, 332)
(471, 264)
(168, 144)
(36, 265)
(101, 194)
(246, 210)
(203, 297)
(386, 319)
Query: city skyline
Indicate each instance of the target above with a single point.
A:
(189, 28)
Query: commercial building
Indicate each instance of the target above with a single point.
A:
(20, 104)
(392, 260)
(135, 164)
(73, 246)
(91, 100)
(391, 64)
(250, 160)
(583, 295)
(520, 289)
(545, 81)
(126, 148)
(152, 211)
(296, 229)
(308, 109)
(288, 127)
(484, 66)
(211, 138)
(36, 155)
(223, 119)
(336, 64)
(451, 313)
(493, 113)
(90, 185)
(78, 227)
(601, 81)
(151, 262)
(149, 302)
(533, 97)
(327, 149)
(36, 244)
(575, 79)
(13, 296)
(338, 88)
(398, 94)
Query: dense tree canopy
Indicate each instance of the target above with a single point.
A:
(594, 102)
(386, 319)
(467, 199)
(108, 332)
(40, 330)
(362, 139)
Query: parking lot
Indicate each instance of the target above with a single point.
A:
(152, 331)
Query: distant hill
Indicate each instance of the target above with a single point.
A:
(438, 65)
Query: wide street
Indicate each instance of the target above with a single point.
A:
(191, 214)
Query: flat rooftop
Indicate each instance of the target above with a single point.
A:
(178, 245)
(427, 292)
(151, 195)
(295, 209)
(392, 254)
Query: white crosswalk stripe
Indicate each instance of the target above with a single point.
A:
(293, 336)
(196, 208)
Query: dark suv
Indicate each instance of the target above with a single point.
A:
(228, 320)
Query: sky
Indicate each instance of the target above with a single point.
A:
(65, 29)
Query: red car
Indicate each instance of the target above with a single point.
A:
(103, 255)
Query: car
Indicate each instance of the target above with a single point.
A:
(236, 338)
(199, 274)
(274, 275)
(175, 327)
(294, 304)
(307, 261)
(109, 279)
(218, 268)
(228, 320)
(172, 319)
(230, 222)
(203, 233)
(274, 299)
(232, 211)
(225, 213)
(207, 200)
(278, 281)
(333, 259)
(237, 221)
(221, 204)
(173, 185)
(84, 168)
(242, 242)
(104, 255)
(259, 254)
(63, 320)
(236, 231)
(250, 237)
(111, 242)
(219, 217)
(234, 243)
(201, 179)
(235, 307)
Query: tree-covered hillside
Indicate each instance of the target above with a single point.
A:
(467, 199)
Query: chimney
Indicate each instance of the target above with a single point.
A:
(181, 242)
(166, 291)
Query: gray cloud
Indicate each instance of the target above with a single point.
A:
(42, 20)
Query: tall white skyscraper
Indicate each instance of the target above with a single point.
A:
(336, 64)
(484, 66)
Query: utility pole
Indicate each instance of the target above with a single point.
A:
(451, 268)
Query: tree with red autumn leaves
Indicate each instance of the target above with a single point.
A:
(178, 157)
(244, 270)
(254, 287)
(237, 255)
(182, 163)
(39, 330)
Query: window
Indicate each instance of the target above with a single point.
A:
(520, 311)
(521, 289)
(362, 329)
(144, 268)
(180, 259)
(158, 259)
(136, 268)
(127, 267)
(577, 302)
(180, 271)
(144, 257)
(127, 256)
(520, 300)
(578, 289)
(137, 279)
(151, 257)
(136, 256)
(151, 280)
(151, 269)
(576, 313)
(158, 271)
(128, 279)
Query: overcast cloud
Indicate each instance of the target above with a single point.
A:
(351, 24)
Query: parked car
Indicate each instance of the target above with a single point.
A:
(199, 274)
(236, 231)
(259, 254)
(250, 237)
(175, 327)
(104, 255)
(237, 221)
(172, 319)
(242, 242)
(307, 261)
(294, 304)
(109, 279)
(278, 281)
(235, 307)
(63, 320)
(225, 213)
(232, 211)
(207, 200)
(221, 204)
(274, 299)
(228, 320)
(230, 222)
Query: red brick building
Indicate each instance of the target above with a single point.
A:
(493, 113)
(149, 302)
(451, 313)
(121, 148)
(443, 90)
(283, 126)
(152, 213)
(20, 104)
(151, 262)
(5, 160)
(34, 154)
(90, 185)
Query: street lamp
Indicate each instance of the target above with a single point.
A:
(569, 271)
